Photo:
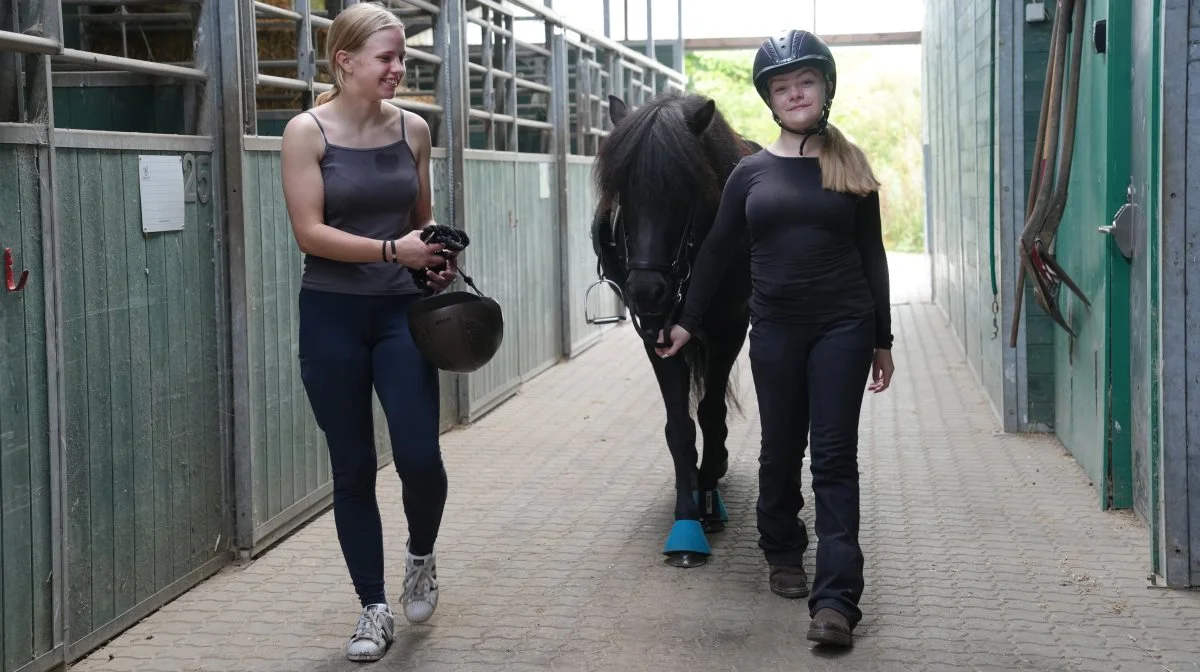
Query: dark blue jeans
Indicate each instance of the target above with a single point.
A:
(810, 381)
(348, 345)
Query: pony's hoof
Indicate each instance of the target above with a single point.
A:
(686, 546)
(686, 560)
(712, 507)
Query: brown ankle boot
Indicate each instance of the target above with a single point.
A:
(789, 582)
(830, 627)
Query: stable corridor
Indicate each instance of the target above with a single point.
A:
(984, 551)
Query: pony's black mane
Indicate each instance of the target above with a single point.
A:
(652, 160)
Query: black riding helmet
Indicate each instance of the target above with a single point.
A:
(456, 331)
(790, 51)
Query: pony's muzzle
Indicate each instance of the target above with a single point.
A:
(649, 293)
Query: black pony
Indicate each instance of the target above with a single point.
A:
(660, 174)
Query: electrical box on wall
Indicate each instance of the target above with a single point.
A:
(1035, 12)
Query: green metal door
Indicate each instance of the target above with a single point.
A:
(1119, 463)
(1092, 369)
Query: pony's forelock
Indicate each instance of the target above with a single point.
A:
(653, 161)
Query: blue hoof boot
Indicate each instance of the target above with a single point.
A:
(686, 545)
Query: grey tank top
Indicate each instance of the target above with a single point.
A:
(370, 193)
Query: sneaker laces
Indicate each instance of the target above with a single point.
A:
(419, 582)
(368, 627)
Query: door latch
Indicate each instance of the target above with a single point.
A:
(1121, 228)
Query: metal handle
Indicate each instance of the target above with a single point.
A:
(1121, 229)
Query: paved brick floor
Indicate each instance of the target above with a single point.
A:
(984, 551)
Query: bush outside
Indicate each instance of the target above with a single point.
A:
(877, 105)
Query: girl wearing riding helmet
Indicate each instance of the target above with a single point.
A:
(821, 322)
(355, 175)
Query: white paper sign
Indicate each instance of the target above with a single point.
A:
(161, 182)
(544, 180)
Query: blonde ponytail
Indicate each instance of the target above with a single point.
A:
(844, 167)
(351, 29)
(326, 96)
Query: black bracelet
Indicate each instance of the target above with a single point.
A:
(385, 251)
(395, 257)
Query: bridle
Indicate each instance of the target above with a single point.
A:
(679, 270)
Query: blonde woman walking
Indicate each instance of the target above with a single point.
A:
(355, 173)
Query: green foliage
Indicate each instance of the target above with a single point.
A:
(725, 77)
(878, 106)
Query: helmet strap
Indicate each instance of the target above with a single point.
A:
(806, 137)
(819, 129)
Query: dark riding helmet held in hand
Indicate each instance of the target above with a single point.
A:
(456, 331)
(794, 50)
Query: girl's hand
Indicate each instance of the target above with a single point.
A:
(416, 253)
(881, 371)
(679, 337)
(441, 278)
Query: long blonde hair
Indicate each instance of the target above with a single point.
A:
(844, 166)
(350, 31)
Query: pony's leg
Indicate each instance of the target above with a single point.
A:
(712, 414)
(686, 545)
(672, 375)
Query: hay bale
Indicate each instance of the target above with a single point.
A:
(161, 43)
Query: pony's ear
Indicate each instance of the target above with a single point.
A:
(699, 120)
(617, 109)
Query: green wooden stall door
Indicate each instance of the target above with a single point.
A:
(26, 548)
(141, 408)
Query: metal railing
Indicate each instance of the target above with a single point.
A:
(506, 63)
(32, 44)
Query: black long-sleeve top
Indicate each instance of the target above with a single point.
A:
(815, 255)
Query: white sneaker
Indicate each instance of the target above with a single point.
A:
(373, 634)
(420, 587)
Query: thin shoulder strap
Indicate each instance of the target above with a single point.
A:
(403, 126)
(319, 126)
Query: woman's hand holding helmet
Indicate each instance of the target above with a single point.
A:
(413, 252)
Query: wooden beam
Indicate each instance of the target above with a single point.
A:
(842, 40)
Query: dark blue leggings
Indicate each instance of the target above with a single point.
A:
(810, 380)
(349, 344)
